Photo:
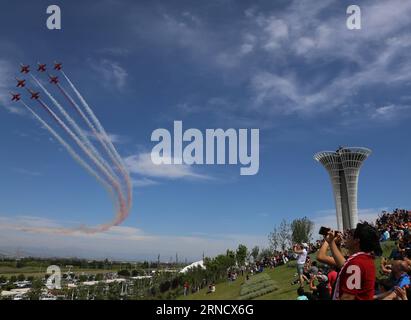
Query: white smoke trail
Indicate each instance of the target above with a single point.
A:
(115, 184)
(89, 169)
(69, 149)
(105, 137)
(97, 135)
(78, 130)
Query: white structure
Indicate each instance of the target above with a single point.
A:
(193, 265)
(343, 166)
(141, 277)
(18, 294)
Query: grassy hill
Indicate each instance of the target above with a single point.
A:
(281, 278)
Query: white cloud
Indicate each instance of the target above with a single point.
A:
(27, 172)
(111, 72)
(26, 221)
(249, 42)
(114, 138)
(389, 112)
(120, 242)
(144, 182)
(319, 39)
(115, 51)
(6, 82)
(283, 46)
(142, 165)
(276, 31)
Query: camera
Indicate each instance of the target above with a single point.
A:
(324, 231)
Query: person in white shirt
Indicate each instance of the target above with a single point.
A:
(301, 251)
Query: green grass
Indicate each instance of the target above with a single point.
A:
(257, 286)
(224, 291)
(281, 277)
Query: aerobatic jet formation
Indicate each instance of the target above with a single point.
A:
(34, 95)
(102, 160)
(20, 83)
(57, 65)
(54, 79)
(15, 96)
(41, 67)
(25, 68)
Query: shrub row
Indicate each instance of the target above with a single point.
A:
(258, 278)
(258, 293)
(246, 289)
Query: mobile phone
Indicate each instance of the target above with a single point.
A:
(323, 231)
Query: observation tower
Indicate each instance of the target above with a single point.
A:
(343, 166)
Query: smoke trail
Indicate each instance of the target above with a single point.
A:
(80, 161)
(99, 137)
(105, 137)
(67, 147)
(123, 211)
(77, 129)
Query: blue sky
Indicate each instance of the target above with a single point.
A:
(290, 68)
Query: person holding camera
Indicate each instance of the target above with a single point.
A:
(301, 252)
(356, 278)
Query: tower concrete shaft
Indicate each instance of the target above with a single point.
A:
(343, 167)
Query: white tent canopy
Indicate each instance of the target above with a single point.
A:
(193, 265)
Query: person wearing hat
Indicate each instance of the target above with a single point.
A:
(321, 291)
(301, 252)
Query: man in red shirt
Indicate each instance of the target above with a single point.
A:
(332, 277)
(356, 279)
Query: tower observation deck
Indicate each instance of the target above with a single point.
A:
(343, 166)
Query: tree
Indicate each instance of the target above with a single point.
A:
(284, 235)
(35, 291)
(137, 272)
(99, 293)
(83, 292)
(216, 269)
(21, 277)
(83, 278)
(274, 239)
(265, 253)
(254, 252)
(124, 273)
(302, 230)
(19, 264)
(241, 254)
(99, 277)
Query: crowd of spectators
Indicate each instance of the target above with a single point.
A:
(349, 272)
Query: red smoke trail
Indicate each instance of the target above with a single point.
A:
(66, 146)
(123, 209)
(100, 139)
(79, 160)
(105, 139)
(77, 129)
